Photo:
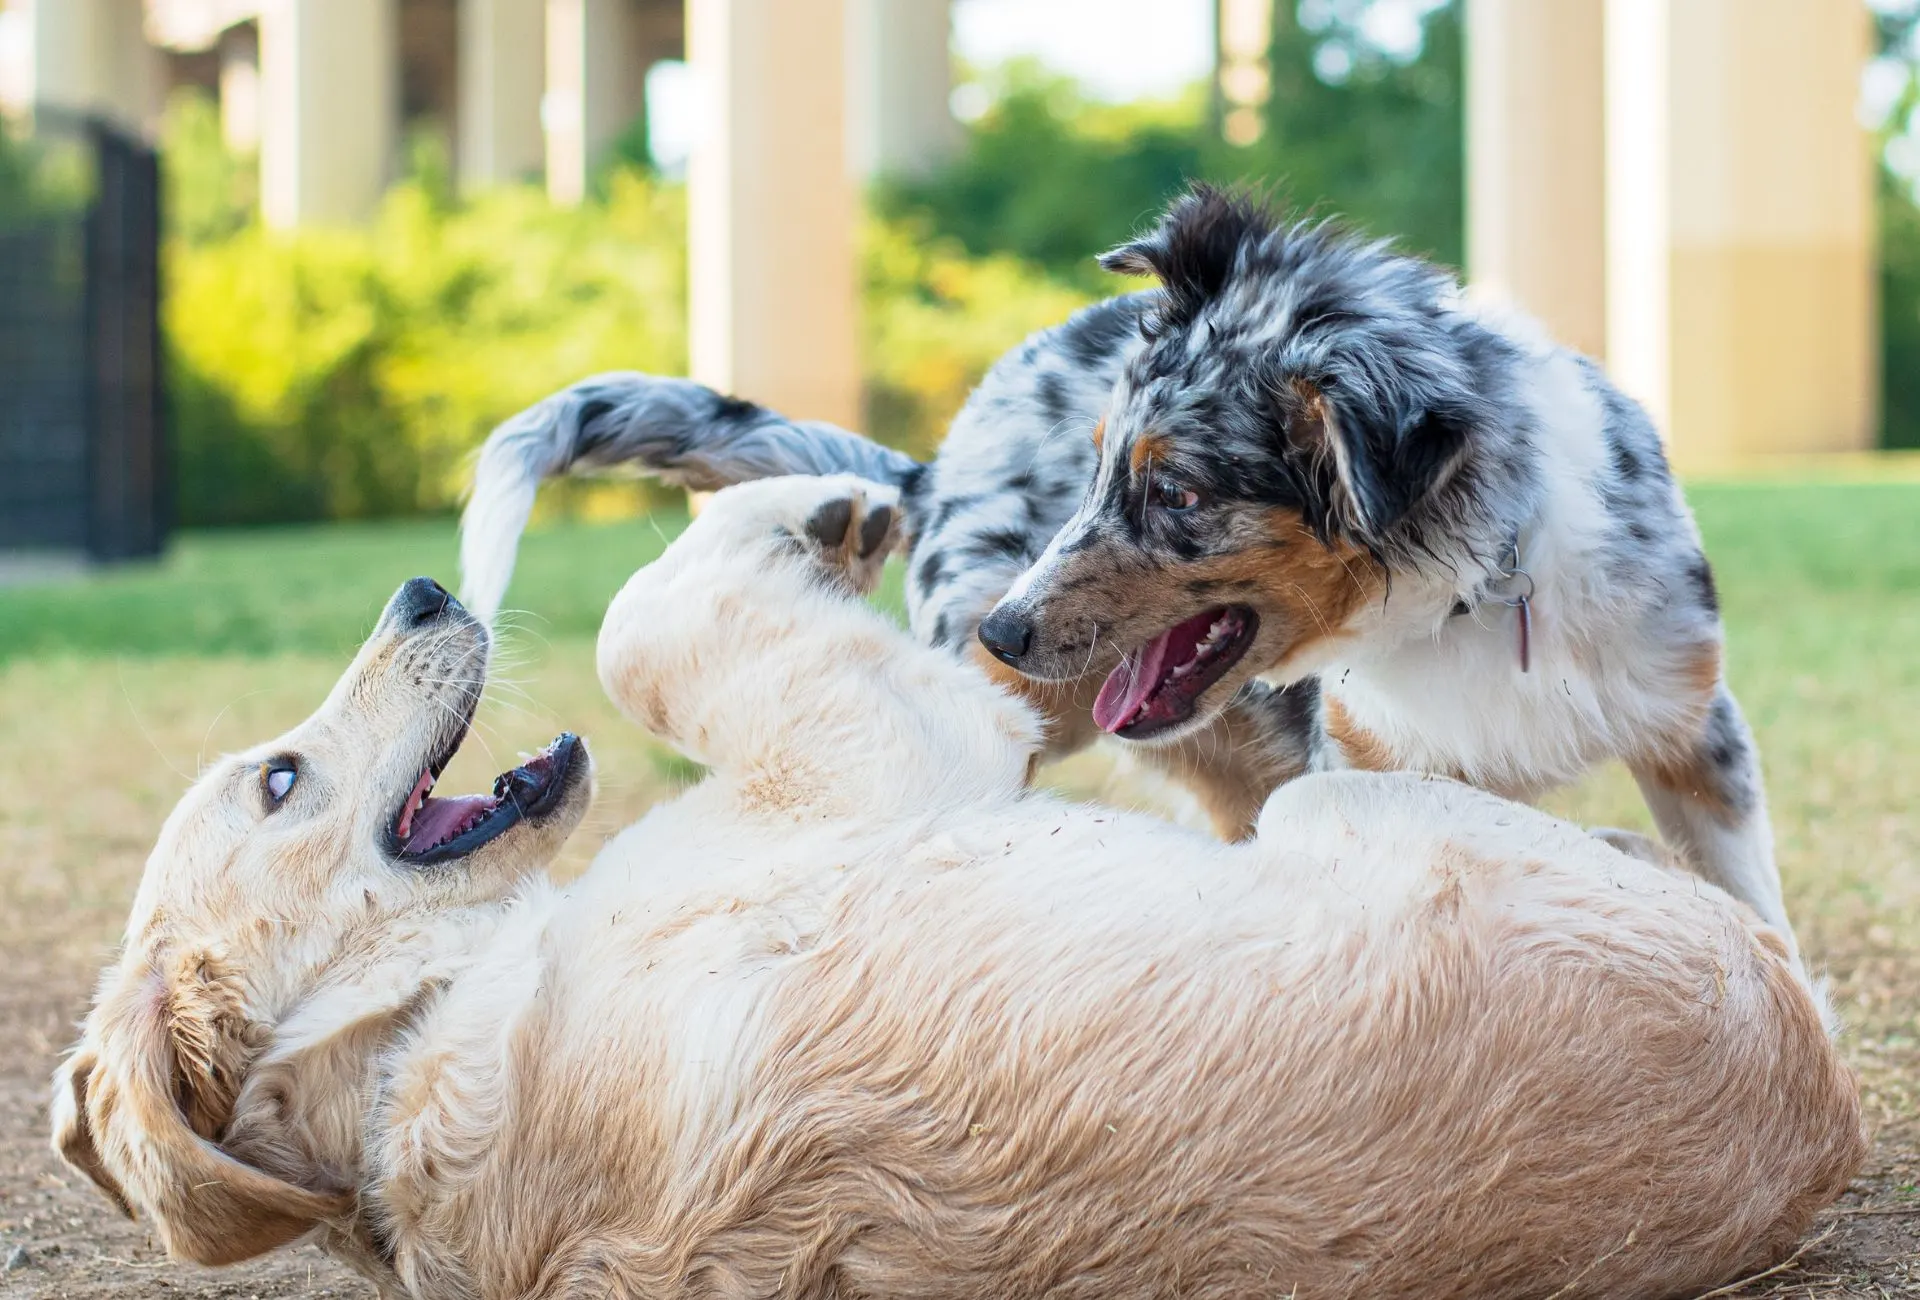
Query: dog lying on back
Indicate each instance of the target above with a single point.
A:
(1299, 509)
(861, 1015)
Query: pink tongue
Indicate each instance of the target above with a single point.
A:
(441, 819)
(1128, 686)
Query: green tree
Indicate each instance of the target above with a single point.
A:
(1891, 79)
(1370, 134)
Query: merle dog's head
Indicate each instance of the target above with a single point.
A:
(1268, 458)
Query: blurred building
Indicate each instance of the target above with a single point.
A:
(802, 99)
(1677, 186)
(1683, 188)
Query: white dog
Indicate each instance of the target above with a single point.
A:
(862, 1015)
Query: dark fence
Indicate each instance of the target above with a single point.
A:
(83, 463)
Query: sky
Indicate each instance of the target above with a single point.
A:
(1117, 49)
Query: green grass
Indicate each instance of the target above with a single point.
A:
(312, 589)
(114, 689)
(318, 590)
(1833, 570)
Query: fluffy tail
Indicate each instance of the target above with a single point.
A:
(683, 432)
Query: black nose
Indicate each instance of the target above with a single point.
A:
(421, 601)
(1007, 633)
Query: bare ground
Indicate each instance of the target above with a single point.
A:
(106, 749)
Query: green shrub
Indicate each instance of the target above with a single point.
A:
(1049, 177)
(348, 373)
(1899, 316)
(1055, 178)
(207, 192)
(935, 319)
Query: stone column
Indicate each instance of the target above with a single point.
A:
(239, 49)
(899, 78)
(1243, 79)
(1740, 290)
(1536, 161)
(771, 210)
(502, 70)
(592, 88)
(92, 56)
(329, 72)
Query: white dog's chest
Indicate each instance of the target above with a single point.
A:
(1462, 705)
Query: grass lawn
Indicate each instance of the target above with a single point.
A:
(113, 689)
(309, 590)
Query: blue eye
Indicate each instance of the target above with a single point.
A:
(279, 779)
(1169, 495)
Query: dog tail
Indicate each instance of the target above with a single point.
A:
(681, 432)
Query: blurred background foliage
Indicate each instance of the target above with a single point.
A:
(1890, 95)
(1370, 134)
(348, 374)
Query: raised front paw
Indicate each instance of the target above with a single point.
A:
(845, 525)
(851, 532)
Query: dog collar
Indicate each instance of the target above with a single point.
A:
(1513, 588)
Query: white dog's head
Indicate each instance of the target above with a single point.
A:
(278, 865)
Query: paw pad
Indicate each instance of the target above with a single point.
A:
(874, 532)
(844, 525)
(828, 524)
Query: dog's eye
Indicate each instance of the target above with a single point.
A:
(278, 777)
(1169, 495)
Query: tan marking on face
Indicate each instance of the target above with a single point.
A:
(1148, 449)
(1363, 750)
(1304, 590)
(1313, 588)
(1099, 434)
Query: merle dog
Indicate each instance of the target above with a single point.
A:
(1301, 507)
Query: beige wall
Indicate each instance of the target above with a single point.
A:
(1741, 244)
(771, 208)
(329, 108)
(502, 70)
(592, 91)
(92, 55)
(900, 75)
(1536, 161)
(1682, 187)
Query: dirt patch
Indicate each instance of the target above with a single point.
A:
(114, 745)
(59, 1237)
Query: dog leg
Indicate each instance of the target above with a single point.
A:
(1636, 845)
(746, 646)
(1262, 740)
(1706, 796)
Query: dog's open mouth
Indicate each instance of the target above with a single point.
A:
(432, 830)
(1155, 686)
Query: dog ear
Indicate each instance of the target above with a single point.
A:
(1386, 453)
(72, 1133)
(138, 1105)
(1193, 249)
